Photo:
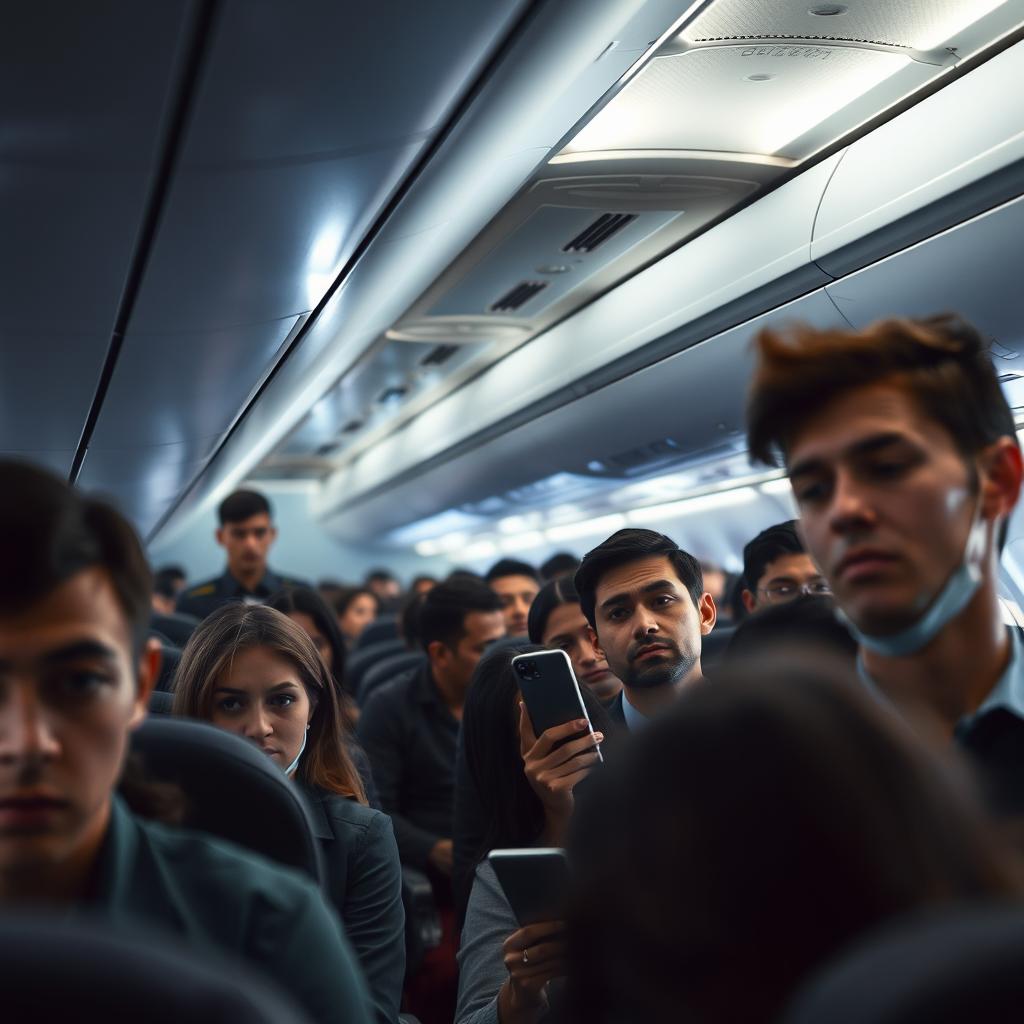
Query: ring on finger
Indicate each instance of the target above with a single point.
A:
(526, 956)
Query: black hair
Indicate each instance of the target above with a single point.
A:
(463, 574)
(778, 540)
(560, 564)
(511, 567)
(309, 602)
(626, 546)
(348, 594)
(379, 574)
(167, 581)
(409, 619)
(804, 623)
(514, 815)
(241, 505)
(443, 614)
(50, 532)
(551, 596)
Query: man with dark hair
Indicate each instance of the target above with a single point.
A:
(168, 583)
(777, 568)
(246, 533)
(516, 584)
(76, 672)
(904, 462)
(558, 565)
(383, 585)
(409, 726)
(644, 599)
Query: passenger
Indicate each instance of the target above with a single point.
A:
(76, 672)
(409, 726)
(526, 788)
(330, 591)
(383, 585)
(804, 624)
(254, 672)
(246, 533)
(355, 608)
(644, 599)
(422, 584)
(556, 621)
(559, 565)
(777, 568)
(409, 620)
(762, 825)
(714, 582)
(516, 584)
(905, 467)
(168, 583)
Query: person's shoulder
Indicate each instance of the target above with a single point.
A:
(353, 815)
(205, 589)
(293, 581)
(208, 863)
(395, 692)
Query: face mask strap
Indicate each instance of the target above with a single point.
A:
(295, 764)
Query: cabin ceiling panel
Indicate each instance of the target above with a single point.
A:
(76, 153)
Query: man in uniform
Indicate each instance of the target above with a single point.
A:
(246, 533)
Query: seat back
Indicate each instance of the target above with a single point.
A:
(161, 703)
(170, 656)
(384, 627)
(950, 967)
(714, 645)
(358, 663)
(387, 669)
(54, 971)
(177, 626)
(231, 790)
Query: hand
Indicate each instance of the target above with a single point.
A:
(442, 857)
(553, 772)
(522, 997)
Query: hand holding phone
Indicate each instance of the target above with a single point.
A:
(556, 762)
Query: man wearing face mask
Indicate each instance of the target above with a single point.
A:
(905, 466)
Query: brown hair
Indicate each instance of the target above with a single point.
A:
(942, 361)
(769, 819)
(238, 627)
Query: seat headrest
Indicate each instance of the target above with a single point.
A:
(231, 789)
(52, 971)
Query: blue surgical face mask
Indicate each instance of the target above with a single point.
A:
(950, 601)
(295, 764)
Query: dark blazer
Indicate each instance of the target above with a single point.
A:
(364, 883)
(205, 598)
(615, 712)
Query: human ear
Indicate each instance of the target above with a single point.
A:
(749, 601)
(708, 613)
(1001, 473)
(219, 536)
(598, 649)
(147, 674)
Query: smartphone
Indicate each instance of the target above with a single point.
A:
(550, 691)
(535, 882)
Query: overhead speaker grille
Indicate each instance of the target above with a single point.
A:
(599, 232)
(439, 355)
(518, 296)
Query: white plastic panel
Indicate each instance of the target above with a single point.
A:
(760, 244)
(970, 129)
(694, 397)
(973, 269)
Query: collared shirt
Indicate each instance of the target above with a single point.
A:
(993, 736)
(635, 720)
(221, 899)
(410, 736)
(206, 597)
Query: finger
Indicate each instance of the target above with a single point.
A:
(535, 980)
(556, 734)
(571, 750)
(531, 935)
(570, 767)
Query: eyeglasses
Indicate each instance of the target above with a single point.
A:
(788, 591)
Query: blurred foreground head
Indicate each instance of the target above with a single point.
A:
(769, 819)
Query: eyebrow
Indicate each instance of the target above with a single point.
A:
(648, 588)
(77, 650)
(235, 689)
(866, 446)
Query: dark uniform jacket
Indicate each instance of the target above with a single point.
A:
(221, 899)
(364, 883)
(410, 737)
(205, 598)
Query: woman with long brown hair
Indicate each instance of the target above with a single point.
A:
(253, 671)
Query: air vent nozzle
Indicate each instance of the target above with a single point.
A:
(599, 232)
(391, 394)
(518, 296)
(439, 355)
(352, 426)
(327, 449)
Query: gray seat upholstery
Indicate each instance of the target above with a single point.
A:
(362, 660)
(387, 669)
(384, 627)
